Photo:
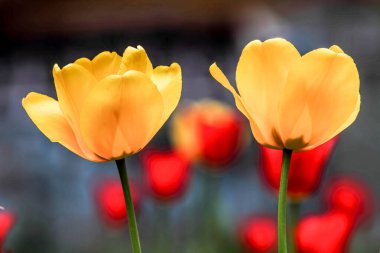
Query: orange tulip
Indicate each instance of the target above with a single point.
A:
(109, 107)
(291, 101)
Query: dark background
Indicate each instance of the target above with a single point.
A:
(51, 189)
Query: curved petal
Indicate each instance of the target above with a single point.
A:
(261, 75)
(336, 49)
(169, 83)
(104, 64)
(45, 113)
(136, 59)
(326, 84)
(72, 83)
(346, 124)
(120, 114)
(222, 79)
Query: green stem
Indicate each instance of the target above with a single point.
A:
(136, 248)
(286, 156)
(294, 217)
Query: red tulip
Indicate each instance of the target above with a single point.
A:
(259, 234)
(166, 173)
(349, 201)
(326, 233)
(221, 141)
(350, 196)
(110, 201)
(306, 168)
(208, 131)
(7, 219)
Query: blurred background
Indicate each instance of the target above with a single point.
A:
(54, 194)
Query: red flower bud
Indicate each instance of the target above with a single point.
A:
(7, 219)
(326, 233)
(306, 168)
(166, 173)
(110, 201)
(208, 131)
(350, 196)
(258, 234)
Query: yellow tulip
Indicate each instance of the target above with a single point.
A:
(291, 101)
(109, 107)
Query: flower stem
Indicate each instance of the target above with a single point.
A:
(286, 156)
(136, 248)
(294, 217)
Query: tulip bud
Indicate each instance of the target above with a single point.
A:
(208, 131)
(350, 196)
(110, 201)
(306, 168)
(258, 234)
(166, 173)
(7, 219)
(326, 233)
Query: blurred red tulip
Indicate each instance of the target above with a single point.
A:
(166, 173)
(326, 233)
(7, 219)
(349, 203)
(350, 196)
(110, 201)
(306, 168)
(208, 131)
(259, 234)
(221, 141)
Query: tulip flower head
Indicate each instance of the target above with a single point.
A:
(208, 131)
(110, 201)
(325, 233)
(291, 101)
(349, 203)
(7, 219)
(258, 234)
(109, 107)
(306, 169)
(350, 196)
(166, 174)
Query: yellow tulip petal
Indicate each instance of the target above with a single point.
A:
(261, 75)
(326, 83)
(169, 83)
(336, 49)
(72, 83)
(46, 114)
(348, 122)
(104, 64)
(120, 114)
(136, 59)
(222, 79)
